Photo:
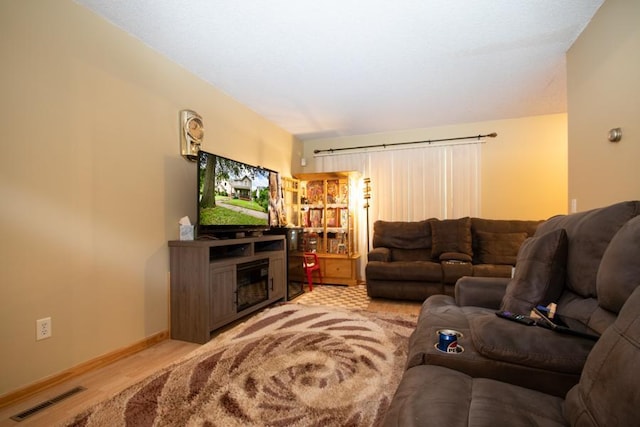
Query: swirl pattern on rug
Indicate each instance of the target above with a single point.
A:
(291, 365)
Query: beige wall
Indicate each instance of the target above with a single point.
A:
(524, 169)
(603, 67)
(92, 183)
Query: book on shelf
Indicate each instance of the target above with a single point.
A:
(306, 222)
(344, 218)
(332, 217)
(333, 192)
(344, 193)
(315, 192)
(342, 248)
(333, 246)
(315, 217)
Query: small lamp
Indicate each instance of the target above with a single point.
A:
(367, 197)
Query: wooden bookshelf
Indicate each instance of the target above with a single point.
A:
(326, 213)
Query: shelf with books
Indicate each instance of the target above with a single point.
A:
(328, 219)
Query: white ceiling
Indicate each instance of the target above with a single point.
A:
(347, 67)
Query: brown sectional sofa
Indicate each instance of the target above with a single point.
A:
(607, 395)
(586, 262)
(414, 260)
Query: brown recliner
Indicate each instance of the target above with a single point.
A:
(608, 393)
(586, 262)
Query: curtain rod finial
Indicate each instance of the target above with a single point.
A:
(492, 135)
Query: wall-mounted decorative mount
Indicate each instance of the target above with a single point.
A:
(191, 134)
(615, 135)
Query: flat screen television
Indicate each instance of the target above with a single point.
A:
(234, 197)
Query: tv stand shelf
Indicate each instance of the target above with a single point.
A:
(204, 282)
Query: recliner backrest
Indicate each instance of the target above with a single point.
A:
(406, 240)
(589, 235)
(619, 272)
(402, 234)
(608, 393)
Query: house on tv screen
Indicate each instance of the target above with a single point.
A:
(241, 188)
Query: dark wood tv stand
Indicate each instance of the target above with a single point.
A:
(204, 285)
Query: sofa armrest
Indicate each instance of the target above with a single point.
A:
(379, 254)
(502, 340)
(481, 291)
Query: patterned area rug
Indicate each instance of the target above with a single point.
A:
(351, 297)
(291, 365)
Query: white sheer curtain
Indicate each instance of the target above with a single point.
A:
(412, 184)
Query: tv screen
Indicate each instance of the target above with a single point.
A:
(234, 196)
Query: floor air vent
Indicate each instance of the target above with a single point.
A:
(47, 403)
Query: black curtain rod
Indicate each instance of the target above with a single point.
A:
(429, 141)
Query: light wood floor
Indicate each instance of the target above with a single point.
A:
(105, 382)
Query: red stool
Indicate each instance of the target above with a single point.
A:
(310, 263)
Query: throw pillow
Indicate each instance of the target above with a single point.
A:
(540, 272)
(451, 235)
(499, 248)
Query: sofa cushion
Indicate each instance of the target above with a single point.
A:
(437, 396)
(418, 254)
(425, 271)
(451, 235)
(402, 234)
(540, 273)
(499, 248)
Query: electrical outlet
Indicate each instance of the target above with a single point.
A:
(43, 328)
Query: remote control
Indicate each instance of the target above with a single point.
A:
(520, 318)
